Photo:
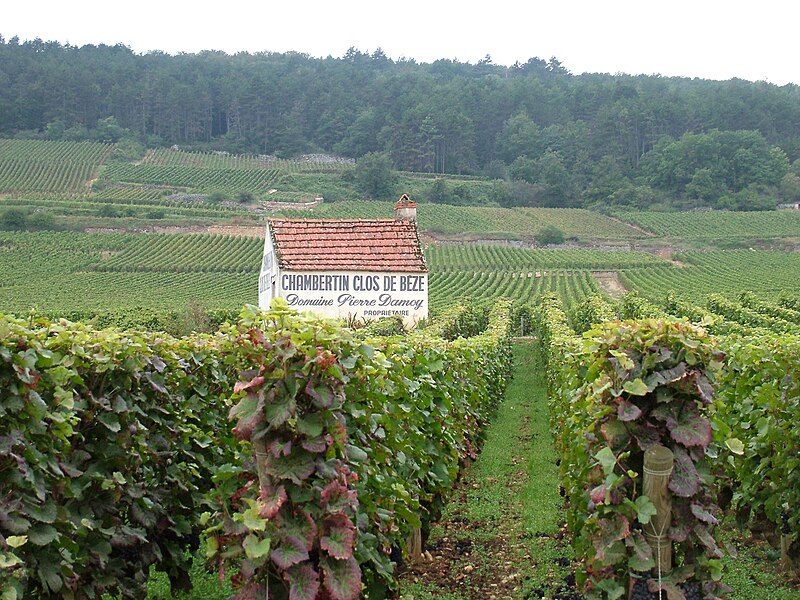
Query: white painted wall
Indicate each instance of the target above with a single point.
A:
(361, 295)
(268, 275)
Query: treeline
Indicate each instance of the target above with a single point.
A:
(553, 138)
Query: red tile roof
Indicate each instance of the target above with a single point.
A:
(347, 245)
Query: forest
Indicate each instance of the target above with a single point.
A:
(545, 136)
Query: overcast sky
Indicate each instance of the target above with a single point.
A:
(754, 40)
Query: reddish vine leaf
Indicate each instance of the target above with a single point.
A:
(246, 385)
(337, 496)
(666, 376)
(705, 537)
(615, 433)
(317, 445)
(296, 467)
(671, 589)
(303, 582)
(691, 429)
(641, 558)
(278, 446)
(291, 551)
(679, 533)
(703, 386)
(322, 395)
(611, 530)
(598, 494)
(702, 514)
(250, 412)
(628, 411)
(684, 481)
(280, 410)
(252, 591)
(338, 536)
(342, 578)
(156, 382)
(271, 501)
(300, 526)
(158, 363)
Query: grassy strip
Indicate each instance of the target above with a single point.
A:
(501, 535)
(757, 573)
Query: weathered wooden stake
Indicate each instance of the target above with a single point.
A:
(658, 462)
(786, 541)
(415, 545)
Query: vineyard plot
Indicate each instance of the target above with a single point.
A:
(717, 224)
(767, 273)
(63, 168)
(194, 178)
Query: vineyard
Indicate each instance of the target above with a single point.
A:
(199, 179)
(291, 526)
(225, 161)
(484, 221)
(719, 225)
(307, 491)
(768, 273)
(167, 272)
(299, 499)
(62, 168)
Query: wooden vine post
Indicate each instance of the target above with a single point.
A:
(658, 462)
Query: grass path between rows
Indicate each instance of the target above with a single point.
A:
(501, 535)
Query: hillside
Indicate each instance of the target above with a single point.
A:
(555, 138)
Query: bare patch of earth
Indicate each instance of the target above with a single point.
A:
(666, 254)
(236, 230)
(609, 282)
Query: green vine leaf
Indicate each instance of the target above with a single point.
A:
(256, 548)
(637, 387)
(645, 509)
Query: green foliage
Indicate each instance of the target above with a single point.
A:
(626, 387)
(735, 311)
(41, 220)
(445, 116)
(550, 234)
(441, 192)
(110, 443)
(710, 165)
(14, 218)
(53, 167)
(414, 409)
(246, 197)
(374, 175)
(716, 225)
(633, 306)
(593, 310)
(120, 437)
(757, 411)
(728, 273)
